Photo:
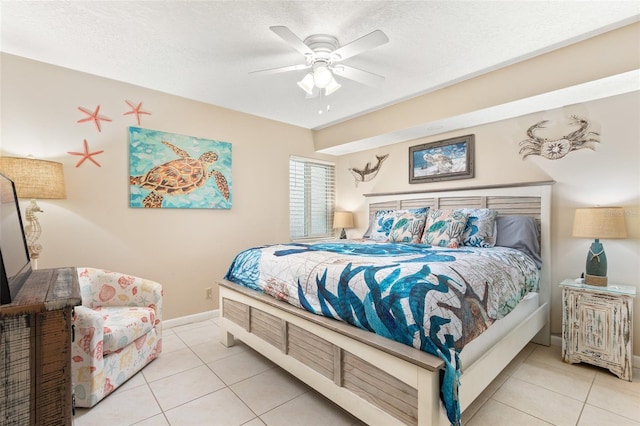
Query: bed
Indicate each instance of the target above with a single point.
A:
(378, 379)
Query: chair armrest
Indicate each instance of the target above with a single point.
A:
(88, 327)
(85, 317)
(99, 287)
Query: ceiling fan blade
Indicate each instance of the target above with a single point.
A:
(364, 77)
(369, 41)
(282, 69)
(295, 42)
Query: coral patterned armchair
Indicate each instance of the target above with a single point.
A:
(117, 329)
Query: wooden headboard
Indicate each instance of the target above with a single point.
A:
(506, 199)
(530, 199)
(505, 205)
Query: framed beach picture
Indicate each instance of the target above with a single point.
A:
(167, 170)
(447, 159)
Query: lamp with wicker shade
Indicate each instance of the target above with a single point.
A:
(342, 220)
(597, 223)
(34, 179)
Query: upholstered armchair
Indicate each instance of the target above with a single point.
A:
(118, 330)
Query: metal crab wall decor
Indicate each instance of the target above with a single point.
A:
(554, 149)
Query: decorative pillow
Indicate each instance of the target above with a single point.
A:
(408, 226)
(380, 225)
(521, 233)
(444, 228)
(481, 228)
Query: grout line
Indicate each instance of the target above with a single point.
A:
(155, 398)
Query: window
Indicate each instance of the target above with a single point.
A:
(311, 198)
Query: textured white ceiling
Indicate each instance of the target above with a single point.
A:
(204, 50)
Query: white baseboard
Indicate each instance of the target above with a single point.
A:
(556, 340)
(201, 316)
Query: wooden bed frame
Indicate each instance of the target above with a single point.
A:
(380, 381)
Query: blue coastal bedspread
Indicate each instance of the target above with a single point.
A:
(434, 299)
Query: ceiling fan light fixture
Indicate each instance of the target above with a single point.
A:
(306, 83)
(332, 86)
(322, 76)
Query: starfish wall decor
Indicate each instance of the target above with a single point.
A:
(136, 109)
(93, 116)
(86, 155)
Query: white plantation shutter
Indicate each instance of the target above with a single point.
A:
(311, 198)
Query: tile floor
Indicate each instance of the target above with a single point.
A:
(197, 381)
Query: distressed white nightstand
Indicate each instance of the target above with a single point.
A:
(597, 326)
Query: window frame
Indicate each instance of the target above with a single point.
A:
(302, 199)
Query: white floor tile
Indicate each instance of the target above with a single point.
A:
(133, 382)
(120, 408)
(594, 416)
(218, 408)
(194, 336)
(309, 409)
(173, 362)
(539, 402)
(172, 343)
(561, 380)
(213, 351)
(254, 422)
(186, 386)
(606, 378)
(616, 399)
(267, 390)
(240, 367)
(158, 420)
(552, 355)
(495, 413)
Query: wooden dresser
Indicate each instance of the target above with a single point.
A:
(35, 350)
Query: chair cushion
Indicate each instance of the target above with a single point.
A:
(124, 324)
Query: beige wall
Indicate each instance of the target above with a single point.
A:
(185, 250)
(610, 175)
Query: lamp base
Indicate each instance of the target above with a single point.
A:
(343, 234)
(32, 230)
(595, 280)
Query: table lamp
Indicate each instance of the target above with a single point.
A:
(597, 223)
(342, 220)
(34, 179)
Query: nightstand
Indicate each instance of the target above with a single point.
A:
(597, 326)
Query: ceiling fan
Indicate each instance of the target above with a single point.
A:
(323, 56)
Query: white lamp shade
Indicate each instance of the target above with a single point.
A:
(322, 76)
(306, 83)
(332, 86)
(599, 222)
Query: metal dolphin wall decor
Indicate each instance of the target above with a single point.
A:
(554, 149)
(368, 173)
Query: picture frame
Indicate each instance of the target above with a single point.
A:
(168, 170)
(448, 159)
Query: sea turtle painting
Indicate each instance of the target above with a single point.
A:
(180, 176)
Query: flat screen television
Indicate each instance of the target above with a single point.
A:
(15, 263)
